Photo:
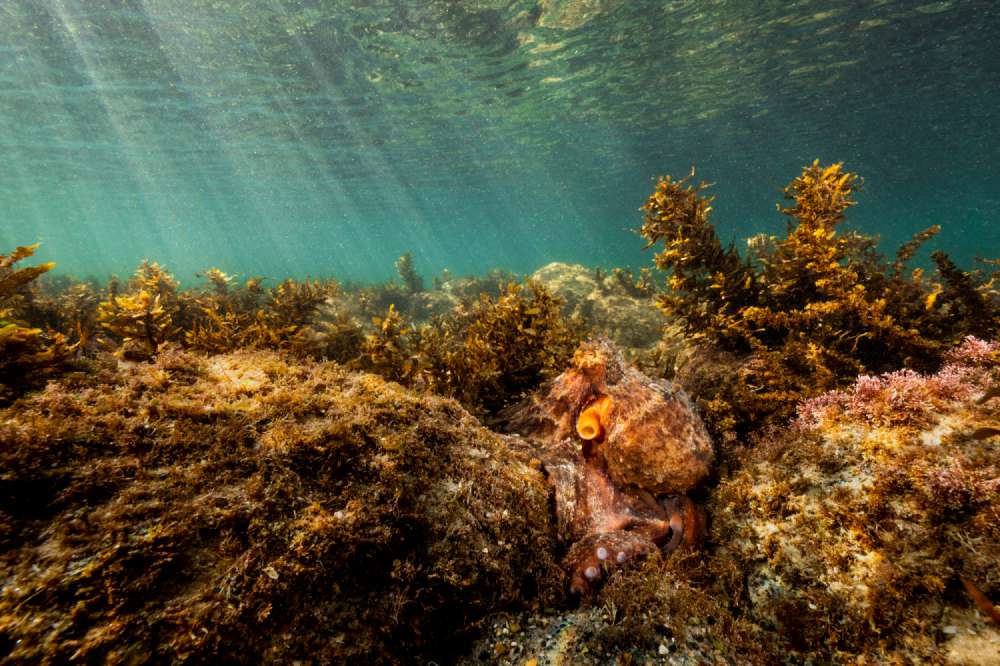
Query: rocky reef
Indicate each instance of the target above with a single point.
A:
(861, 527)
(785, 454)
(617, 305)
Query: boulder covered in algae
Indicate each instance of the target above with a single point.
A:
(870, 528)
(253, 508)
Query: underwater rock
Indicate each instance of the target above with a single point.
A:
(620, 450)
(429, 304)
(256, 505)
(857, 528)
(631, 321)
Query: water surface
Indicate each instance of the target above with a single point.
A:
(329, 137)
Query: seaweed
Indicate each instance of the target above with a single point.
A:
(491, 353)
(485, 354)
(26, 352)
(144, 318)
(808, 312)
(855, 526)
(388, 351)
(971, 307)
(256, 507)
(411, 279)
(140, 320)
(282, 317)
(285, 319)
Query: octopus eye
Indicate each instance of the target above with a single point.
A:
(591, 573)
(602, 553)
(621, 557)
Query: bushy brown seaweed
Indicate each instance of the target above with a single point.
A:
(27, 353)
(408, 274)
(389, 350)
(497, 350)
(808, 312)
(486, 351)
(217, 319)
(486, 354)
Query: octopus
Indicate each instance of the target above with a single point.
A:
(620, 451)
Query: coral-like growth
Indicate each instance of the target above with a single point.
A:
(24, 350)
(809, 312)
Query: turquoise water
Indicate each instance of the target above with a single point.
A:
(327, 138)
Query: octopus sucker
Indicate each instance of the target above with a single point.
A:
(619, 450)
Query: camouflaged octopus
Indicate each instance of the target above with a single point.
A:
(620, 450)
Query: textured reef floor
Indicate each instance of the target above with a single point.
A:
(788, 455)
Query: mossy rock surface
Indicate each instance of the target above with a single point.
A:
(254, 508)
(632, 321)
(857, 529)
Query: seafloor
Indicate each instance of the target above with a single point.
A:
(312, 472)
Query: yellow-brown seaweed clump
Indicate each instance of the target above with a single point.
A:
(259, 507)
(24, 349)
(492, 353)
(408, 274)
(486, 351)
(808, 312)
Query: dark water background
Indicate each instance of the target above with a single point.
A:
(328, 137)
